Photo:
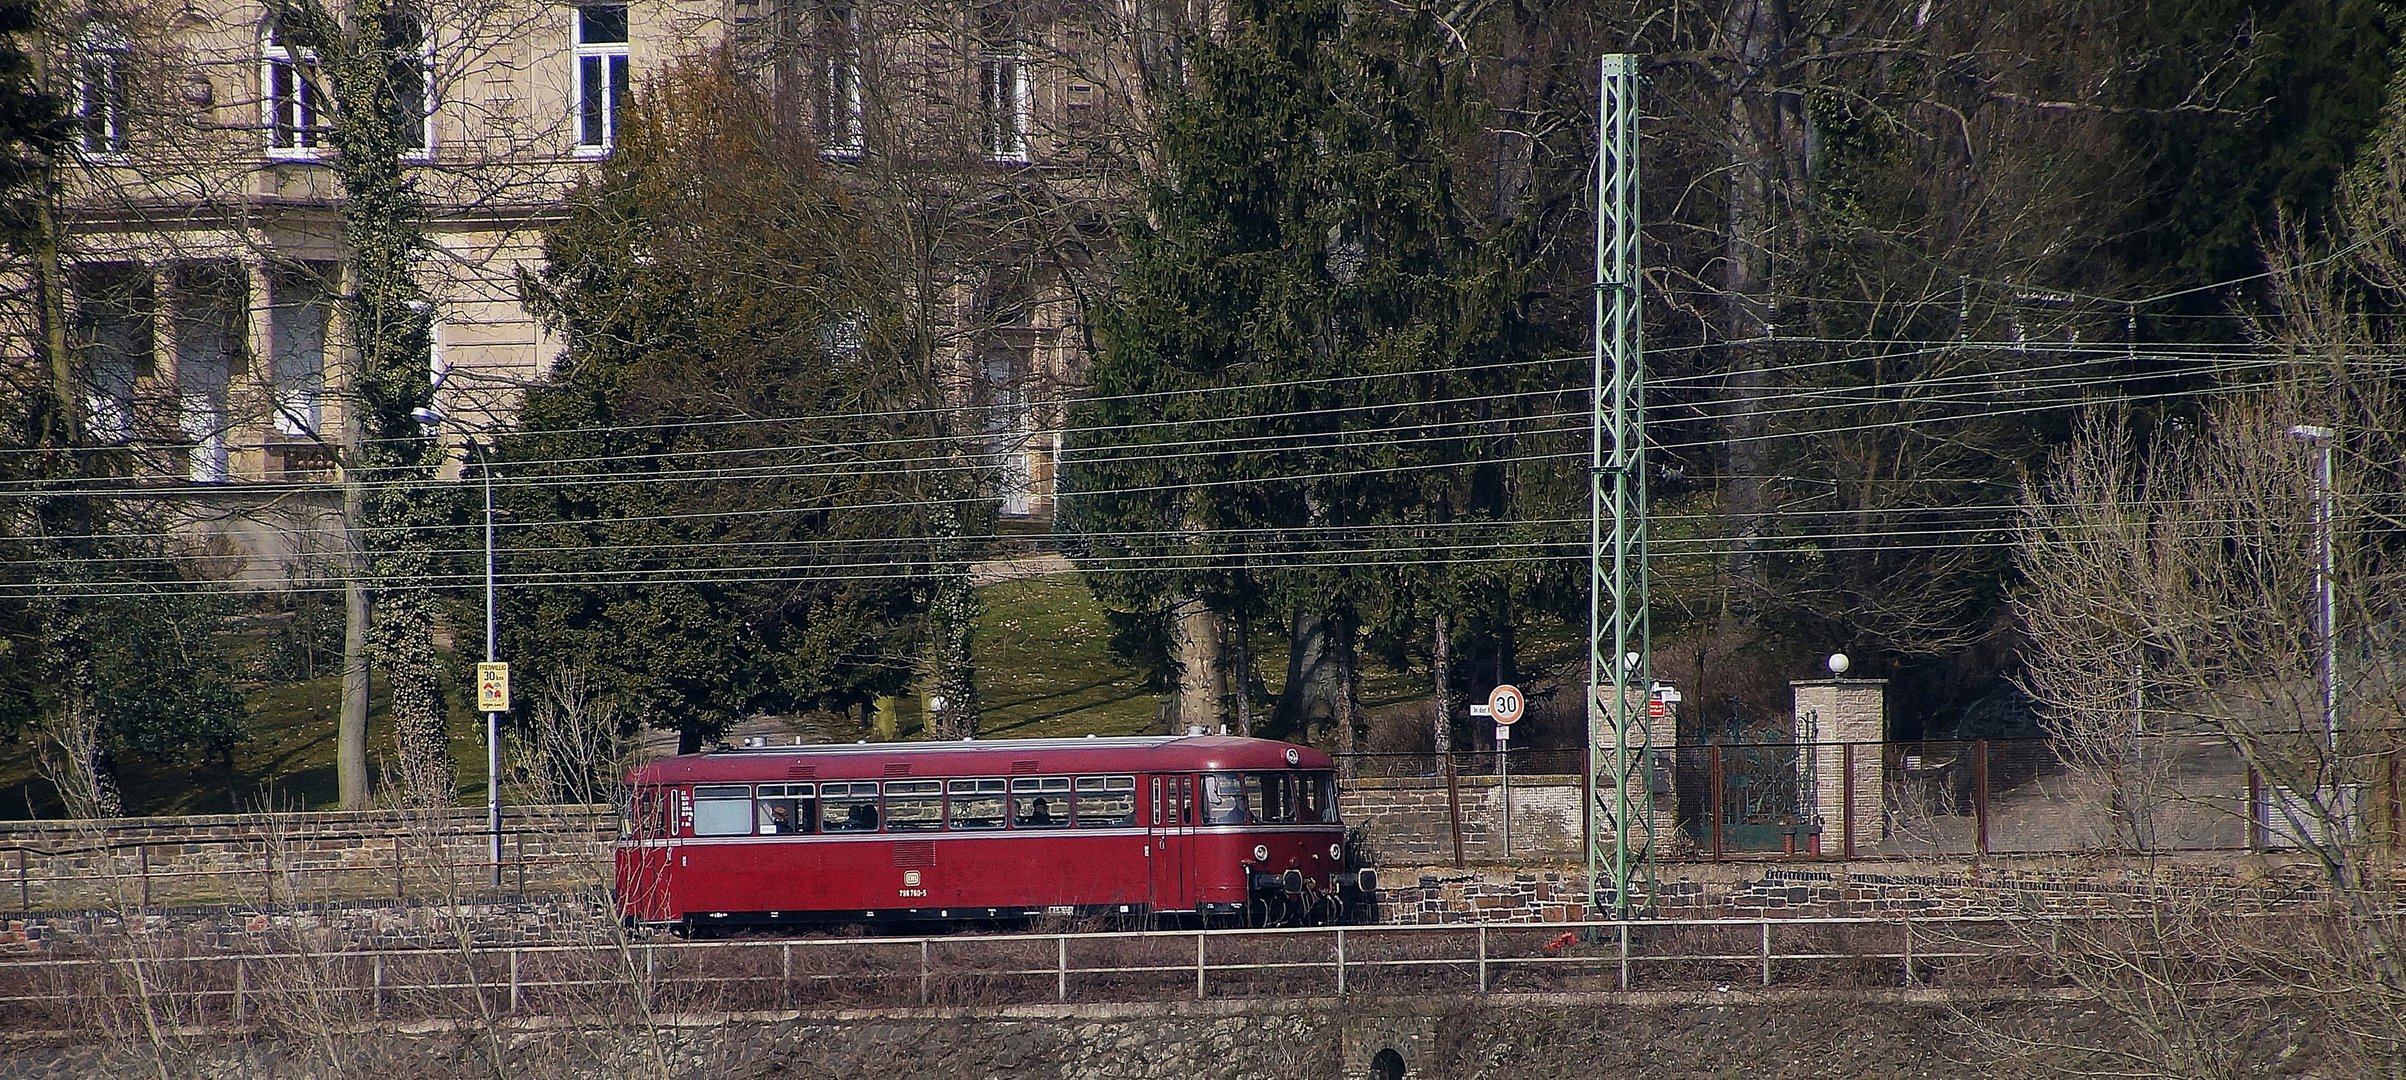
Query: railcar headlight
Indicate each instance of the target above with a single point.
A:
(1261, 853)
(1336, 852)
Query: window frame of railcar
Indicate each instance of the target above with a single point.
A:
(1104, 786)
(1025, 789)
(976, 793)
(712, 804)
(801, 803)
(852, 793)
(923, 800)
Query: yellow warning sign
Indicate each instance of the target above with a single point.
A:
(492, 688)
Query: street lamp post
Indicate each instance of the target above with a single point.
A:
(432, 417)
(2328, 614)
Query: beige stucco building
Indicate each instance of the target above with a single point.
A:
(204, 225)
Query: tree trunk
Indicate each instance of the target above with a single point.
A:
(1195, 647)
(952, 623)
(1441, 726)
(1244, 674)
(1761, 132)
(351, 728)
(1347, 752)
(1308, 703)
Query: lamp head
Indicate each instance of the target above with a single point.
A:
(428, 416)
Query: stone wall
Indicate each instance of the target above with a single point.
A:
(1409, 821)
(1768, 1035)
(294, 858)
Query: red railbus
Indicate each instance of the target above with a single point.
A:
(1200, 828)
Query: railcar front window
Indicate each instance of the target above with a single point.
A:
(1319, 798)
(722, 810)
(1040, 802)
(786, 808)
(849, 807)
(914, 805)
(646, 815)
(975, 804)
(1106, 801)
(1270, 797)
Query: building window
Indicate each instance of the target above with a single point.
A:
(601, 75)
(100, 92)
(300, 312)
(841, 131)
(1004, 108)
(413, 82)
(211, 302)
(296, 116)
(110, 332)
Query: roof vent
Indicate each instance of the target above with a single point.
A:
(755, 742)
(799, 771)
(898, 768)
(1027, 765)
(1197, 729)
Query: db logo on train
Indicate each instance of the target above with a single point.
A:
(910, 884)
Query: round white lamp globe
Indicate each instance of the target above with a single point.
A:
(1839, 663)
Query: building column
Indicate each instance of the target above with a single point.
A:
(1831, 715)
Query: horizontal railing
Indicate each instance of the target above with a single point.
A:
(752, 975)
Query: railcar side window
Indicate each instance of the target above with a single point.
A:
(975, 804)
(849, 807)
(1106, 801)
(1224, 800)
(646, 816)
(1040, 802)
(914, 805)
(722, 810)
(1319, 792)
(786, 808)
(1270, 797)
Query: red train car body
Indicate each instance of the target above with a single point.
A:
(1204, 828)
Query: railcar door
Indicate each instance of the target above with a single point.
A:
(1172, 842)
(646, 846)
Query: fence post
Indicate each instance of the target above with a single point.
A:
(267, 862)
(785, 972)
(142, 854)
(1624, 956)
(376, 998)
(922, 971)
(24, 887)
(242, 987)
(513, 979)
(1453, 807)
(1908, 949)
(1199, 939)
(1766, 926)
(1061, 967)
(400, 871)
(1712, 764)
(520, 840)
(1846, 800)
(1340, 961)
(1482, 958)
(1980, 797)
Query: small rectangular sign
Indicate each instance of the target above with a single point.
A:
(1503, 733)
(492, 687)
(1481, 710)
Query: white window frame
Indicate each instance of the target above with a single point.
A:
(1005, 105)
(104, 51)
(611, 89)
(298, 112)
(843, 133)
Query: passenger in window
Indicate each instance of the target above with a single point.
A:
(862, 819)
(780, 819)
(1040, 814)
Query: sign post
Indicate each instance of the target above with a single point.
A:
(1506, 704)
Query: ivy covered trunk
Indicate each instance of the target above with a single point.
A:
(952, 631)
(387, 449)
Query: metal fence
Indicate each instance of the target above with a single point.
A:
(748, 975)
(2159, 793)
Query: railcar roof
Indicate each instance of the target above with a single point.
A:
(976, 757)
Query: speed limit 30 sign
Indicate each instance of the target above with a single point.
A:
(1506, 704)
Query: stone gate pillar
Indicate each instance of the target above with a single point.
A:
(1831, 716)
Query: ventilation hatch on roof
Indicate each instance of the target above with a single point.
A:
(1024, 765)
(898, 768)
(800, 771)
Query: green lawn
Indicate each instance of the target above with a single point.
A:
(1043, 670)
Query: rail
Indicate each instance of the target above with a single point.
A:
(790, 974)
